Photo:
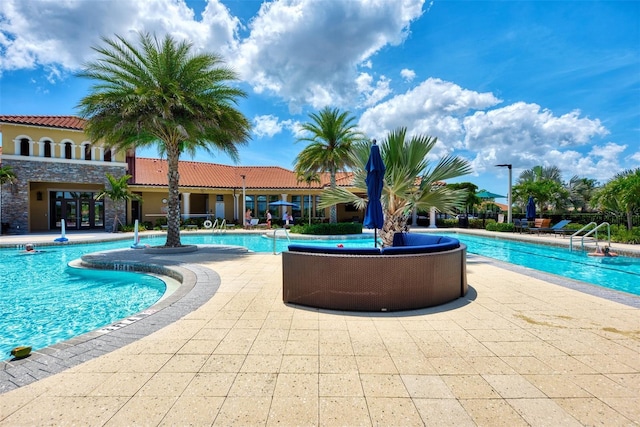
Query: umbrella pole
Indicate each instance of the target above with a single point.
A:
(375, 237)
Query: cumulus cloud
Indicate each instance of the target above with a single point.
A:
(370, 92)
(58, 35)
(308, 52)
(434, 107)
(266, 125)
(526, 135)
(407, 75)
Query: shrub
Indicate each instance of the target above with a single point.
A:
(328, 229)
(499, 226)
(620, 234)
(131, 227)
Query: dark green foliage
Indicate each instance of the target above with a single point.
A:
(499, 226)
(328, 229)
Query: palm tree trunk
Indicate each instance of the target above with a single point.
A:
(173, 205)
(333, 211)
(393, 224)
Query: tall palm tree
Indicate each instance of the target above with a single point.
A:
(330, 134)
(161, 93)
(118, 193)
(410, 182)
(7, 176)
(308, 178)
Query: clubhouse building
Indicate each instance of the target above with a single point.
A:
(59, 172)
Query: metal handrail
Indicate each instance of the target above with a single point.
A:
(286, 233)
(589, 233)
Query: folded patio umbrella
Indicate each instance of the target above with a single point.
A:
(374, 217)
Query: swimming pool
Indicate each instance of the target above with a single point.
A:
(43, 301)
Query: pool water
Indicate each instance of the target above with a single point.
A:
(43, 301)
(618, 273)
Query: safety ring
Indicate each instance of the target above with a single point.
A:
(208, 224)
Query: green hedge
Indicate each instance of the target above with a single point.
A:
(328, 229)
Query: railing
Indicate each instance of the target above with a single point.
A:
(219, 228)
(275, 238)
(595, 229)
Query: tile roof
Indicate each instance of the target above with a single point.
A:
(212, 175)
(61, 122)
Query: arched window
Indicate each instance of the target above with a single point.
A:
(24, 147)
(67, 150)
(47, 148)
(87, 151)
(107, 154)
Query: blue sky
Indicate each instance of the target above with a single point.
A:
(527, 83)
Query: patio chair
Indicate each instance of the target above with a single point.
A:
(520, 225)
(556, 228)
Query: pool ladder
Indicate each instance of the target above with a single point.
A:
(594, 230)
(275, 238)
(219, 228)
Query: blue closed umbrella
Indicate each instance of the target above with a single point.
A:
(373, 216)
(531, 209)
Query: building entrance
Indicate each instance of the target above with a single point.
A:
(80, 210)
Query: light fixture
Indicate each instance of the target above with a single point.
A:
(509, 203)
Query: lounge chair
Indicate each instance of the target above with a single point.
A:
(556, 228)
(520, 225)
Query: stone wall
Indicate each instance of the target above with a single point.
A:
(15, 197)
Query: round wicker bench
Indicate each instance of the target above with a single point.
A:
(374, 280)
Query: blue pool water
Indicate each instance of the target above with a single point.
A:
(44, 302)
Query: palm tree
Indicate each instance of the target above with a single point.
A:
(330, 134)
(309, 178)
(621, 194)
(7, 176)
(163, 94)
(118, 193)
(409, 182)
(544, 184)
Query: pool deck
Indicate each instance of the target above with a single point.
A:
(522, 348)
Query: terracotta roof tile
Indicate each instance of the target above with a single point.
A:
(62, 122)
(212, 175)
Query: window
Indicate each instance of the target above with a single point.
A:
(262, 207)
(47, 148)
(296, 212)
(107, 154)
(87, 151)
(319, 212)
(67, 150)
(24, 147)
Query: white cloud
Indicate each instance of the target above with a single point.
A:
(308, 52)
(434, 107)
(407, 75)
(372, 94)
(59, 35)
(525, 135)
(266, 125)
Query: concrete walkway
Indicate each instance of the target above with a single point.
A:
(518, 350)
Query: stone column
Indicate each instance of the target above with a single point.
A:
(432, 218)
(186, 208)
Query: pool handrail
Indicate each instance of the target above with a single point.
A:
(589, 233)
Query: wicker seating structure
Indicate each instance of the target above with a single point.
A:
(373, 282)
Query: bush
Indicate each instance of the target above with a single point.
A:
(499, 226)
(620, 234)
(131, 227)
(328, 229)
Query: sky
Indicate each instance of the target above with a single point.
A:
(527, 83)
